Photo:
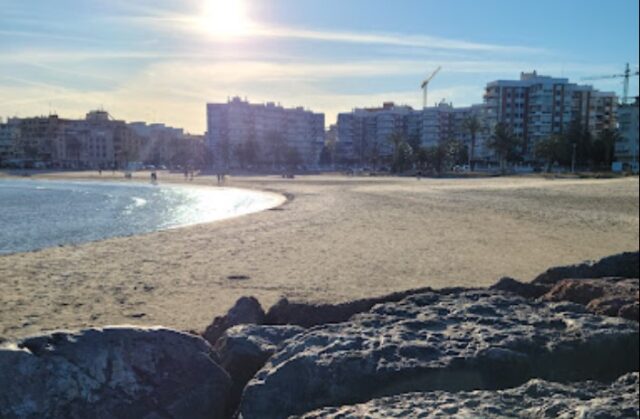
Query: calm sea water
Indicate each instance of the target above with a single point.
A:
(35, 214)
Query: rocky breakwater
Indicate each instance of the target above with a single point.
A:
(430, 342)
(563, 345)
(535, 399)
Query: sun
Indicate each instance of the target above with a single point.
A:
(225, 18)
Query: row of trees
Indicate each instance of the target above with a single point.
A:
(575, 148)
(274, 153)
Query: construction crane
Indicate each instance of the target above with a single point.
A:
(627, 73)
(425, 84)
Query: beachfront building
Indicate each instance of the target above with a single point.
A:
(626, 148)
(535, 107)
(364, 134)
(8, 135)
(93, 142)
(243, 134)
(97, 141)
(162, 145)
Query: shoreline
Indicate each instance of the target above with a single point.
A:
(274, 196)
(334, 239)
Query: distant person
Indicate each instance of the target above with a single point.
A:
(154, 177)
(100, 171)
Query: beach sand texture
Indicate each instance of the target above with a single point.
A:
(337, 238)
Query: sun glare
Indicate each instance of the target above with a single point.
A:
(225, 18)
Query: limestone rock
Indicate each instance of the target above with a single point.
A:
(606, 296)
(466, 341)
(116, 372)
(247, 310)
(522, 289)
(244, 349)
(535, 399)
(625, 265)
(309, 314)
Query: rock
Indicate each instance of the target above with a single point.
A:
(113, 372)
(605, 296)
(466, 341)
(244, 349)
(308, 314)
(625, 265)
(537, 398)
(247, 310)
(522, 289)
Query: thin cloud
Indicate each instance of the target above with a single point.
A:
(173, 21)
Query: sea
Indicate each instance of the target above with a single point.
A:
(36, 214)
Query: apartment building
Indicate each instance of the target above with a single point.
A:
(9, 132)
(626, 149)
(96, 141)
(364, 133)
(537, 106)
(276, 135)
(164, 145)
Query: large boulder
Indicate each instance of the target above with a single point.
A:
(310, 314)
(535, 399)
(113, 372)
(244, 349)
(467, 341)
(247, 310)
(606, 296)
(625, 265)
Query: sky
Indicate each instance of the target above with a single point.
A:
(163, 60)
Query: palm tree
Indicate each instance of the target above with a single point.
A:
(504, 143)
(472, 125)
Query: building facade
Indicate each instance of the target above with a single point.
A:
(626, 148)
(364, 134)
(164, 145)
(94, 142)
(535, 107)
(240, 133)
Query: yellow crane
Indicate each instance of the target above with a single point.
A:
(425, 84)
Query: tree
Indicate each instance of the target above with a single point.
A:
(434, 158)
(292, 157)
(455, 151)
(604, 147)
(504, 144)
(550, 149)
(472, 125)
(402, 153)
(578, 135)
(277, 147)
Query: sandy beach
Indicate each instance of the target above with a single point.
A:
(336, 238)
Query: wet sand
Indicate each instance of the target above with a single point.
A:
(336, 238)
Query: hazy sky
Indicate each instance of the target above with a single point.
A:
(162, 60)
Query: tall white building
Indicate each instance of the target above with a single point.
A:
(536, 106)
(276, 133)
(626, 149)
